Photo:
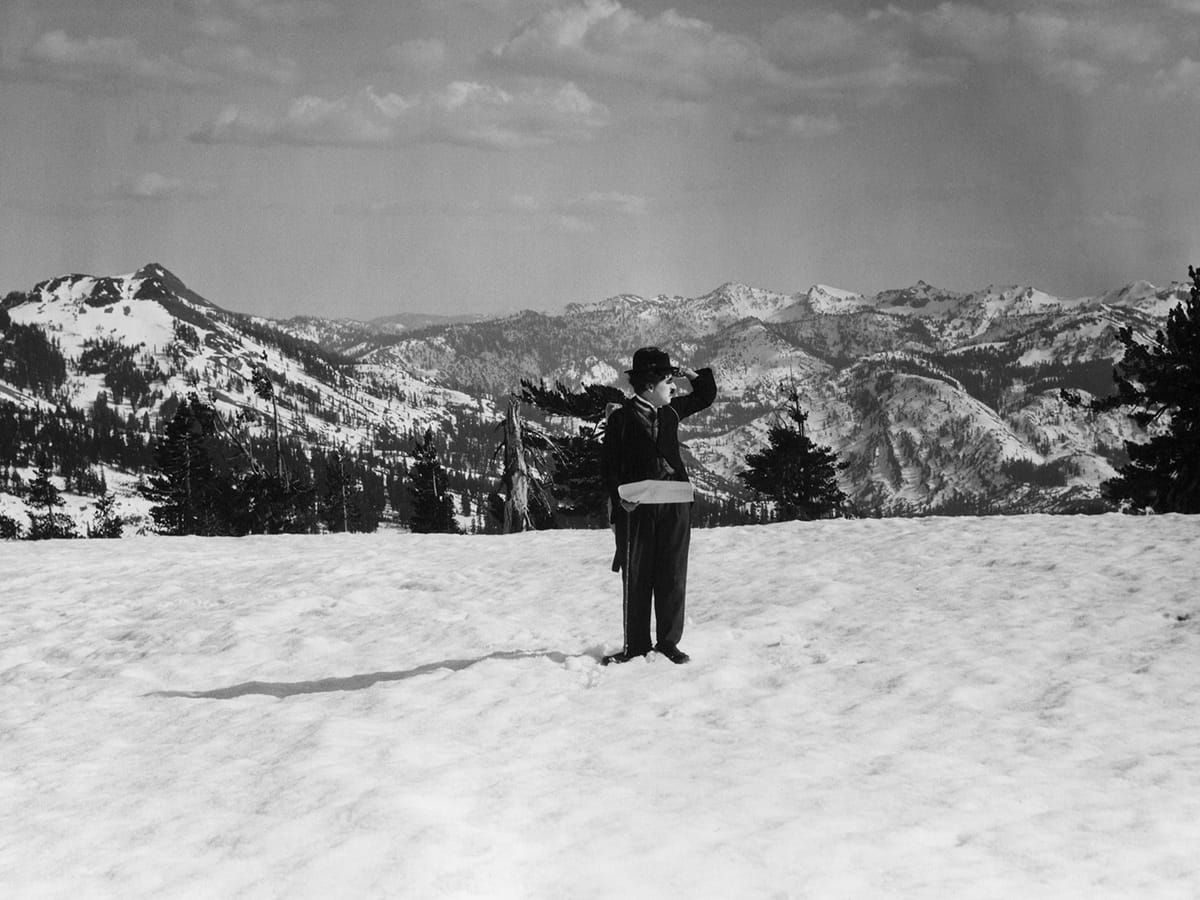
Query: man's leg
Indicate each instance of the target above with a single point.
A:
(638, 578)
(672, 539)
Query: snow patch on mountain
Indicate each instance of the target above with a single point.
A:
(77, 309)
(833, 301)
(147, 310)
(921, 299)
(895, 382)
(742, 301)
(1145, 297)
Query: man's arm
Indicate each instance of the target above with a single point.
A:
(611, 458)
(704, 392)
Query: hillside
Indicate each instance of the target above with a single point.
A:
(999, 707)
(122, 350)
(937, 400)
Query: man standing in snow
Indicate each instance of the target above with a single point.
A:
(650, 499)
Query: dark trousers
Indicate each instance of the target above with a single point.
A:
(657, 537)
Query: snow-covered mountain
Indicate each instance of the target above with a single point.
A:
(354, 337)
(191, 343)
(134, 343)
(936, 400)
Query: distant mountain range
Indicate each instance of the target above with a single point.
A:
(937, 400)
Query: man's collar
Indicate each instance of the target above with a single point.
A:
(645, 404)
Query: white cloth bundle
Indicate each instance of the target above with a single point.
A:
(657, 492)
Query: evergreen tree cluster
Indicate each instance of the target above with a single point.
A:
(212, 477)
(797, 475)
(574, 458)
(29, 359)
(432, 505)
(71, 442)
(46, 521)
(211, 481)
(1159, 382)
(128, 379)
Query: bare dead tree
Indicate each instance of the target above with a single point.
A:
(516, 473)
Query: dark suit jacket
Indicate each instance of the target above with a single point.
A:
(629, 452)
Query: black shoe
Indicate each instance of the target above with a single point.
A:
(673, 653)
(622, 656)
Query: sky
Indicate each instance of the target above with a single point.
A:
(425, 716)
(368, 157)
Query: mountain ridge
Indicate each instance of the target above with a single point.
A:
(934, 398)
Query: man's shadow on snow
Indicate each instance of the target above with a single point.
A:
(284, 689)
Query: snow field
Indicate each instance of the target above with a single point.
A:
(878, 708)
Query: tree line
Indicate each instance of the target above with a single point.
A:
(211, 477)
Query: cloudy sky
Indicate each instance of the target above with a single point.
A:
(366, 157)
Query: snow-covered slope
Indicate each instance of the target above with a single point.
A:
(999, 356)
(921, 709)
(194, 342)
(821, 299)
(180, 342)
(927, 394)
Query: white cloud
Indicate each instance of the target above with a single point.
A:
(57, 56)
(607, 203)
(373, 208)
(285, 12)
(1117, 221)
(581, 214)
(217, 27)
(1073, 50)
(268, 12)
(229, 19)
(1078, 75)
(765, 126)
(572, 225)
(1181, 81)
(780, 85)
(970, 30)
(1048, 35)
(1039, 34)
(817, 37)
(110, 61)
(151, 131)
(894, 48)
(418, 55)
(152, 186)
(1192, 7)
(464, 113)
(677, 55)
(242, 63)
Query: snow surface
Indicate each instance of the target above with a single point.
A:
(1004, 707)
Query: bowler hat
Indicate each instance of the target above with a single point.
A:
(652, 360)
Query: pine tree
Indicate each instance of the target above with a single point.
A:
(264, 388)
(10, 528)
(397, 492)
(1160, 382)
(44, 495)
(188, 488)
(432, 505)
(798, 475)
(106, 523)
(345, 506)
(578, 484)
